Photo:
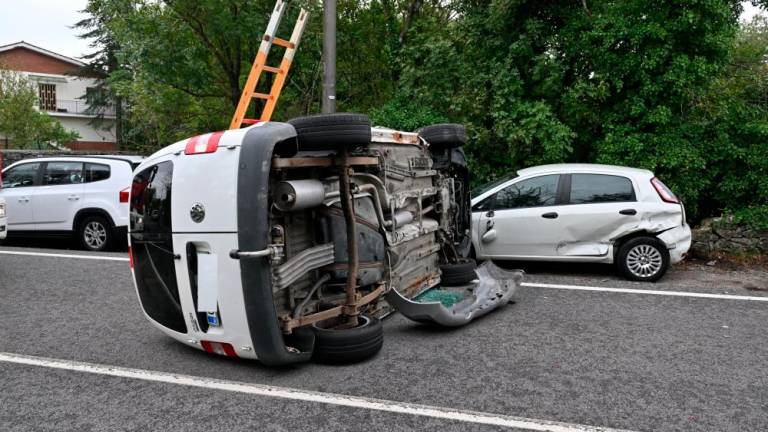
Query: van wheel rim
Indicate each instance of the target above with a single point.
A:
(95, 235)
(644, 261)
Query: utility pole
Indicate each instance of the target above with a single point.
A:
(329, 56)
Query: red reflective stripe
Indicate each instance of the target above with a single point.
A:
(213, 142)
(207, 346)
(229, 349)
(130, 256)
(190, 149)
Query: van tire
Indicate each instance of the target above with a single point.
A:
(335, 131)
(95, 233)
(339, 346)
(639, 255)
(460, 273)
(445, 135)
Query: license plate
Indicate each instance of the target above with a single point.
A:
(207, 282)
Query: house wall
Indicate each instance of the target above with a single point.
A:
(71, 105)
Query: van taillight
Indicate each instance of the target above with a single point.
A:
(124, 195)
(202, 144)
(664, 193)
(220, 348)
(130, 256)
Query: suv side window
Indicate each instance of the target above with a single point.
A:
(533, 192)
(599, 188)
(96, 172)
(63, 173)
(21, 175)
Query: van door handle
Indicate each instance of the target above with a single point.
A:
(550, 215)
(628, 212)
(23, 199)
(73, 198)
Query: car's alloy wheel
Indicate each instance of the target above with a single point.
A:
(644, 261)
(95, 234)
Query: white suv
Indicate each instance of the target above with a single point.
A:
(584, 213)
(84, 195)
(3, 219)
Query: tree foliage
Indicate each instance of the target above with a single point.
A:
(675, 87)
(20, 122)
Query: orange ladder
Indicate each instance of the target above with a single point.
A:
(259, 65)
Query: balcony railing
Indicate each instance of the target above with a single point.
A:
(78, 106)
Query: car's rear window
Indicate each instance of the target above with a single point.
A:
(96, 172)
(599, 188)
(151, 199)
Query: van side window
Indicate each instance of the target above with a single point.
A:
(534, 192)
(96, 172)
(21, 175)
(599, 188)
(63, 173)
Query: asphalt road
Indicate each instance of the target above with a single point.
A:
(617, 360)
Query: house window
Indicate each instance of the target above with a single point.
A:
(47, 97)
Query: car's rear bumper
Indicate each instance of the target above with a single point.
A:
(678, 241)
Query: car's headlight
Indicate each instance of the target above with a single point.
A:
(2, 210)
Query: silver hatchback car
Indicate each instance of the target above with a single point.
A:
(582, 213)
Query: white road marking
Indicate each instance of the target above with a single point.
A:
(54, 255)
(643, 291)
(306, 395)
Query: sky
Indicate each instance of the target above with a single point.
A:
(46, 23)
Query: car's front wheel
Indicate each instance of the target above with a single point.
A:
(95, 234)
(644, 259)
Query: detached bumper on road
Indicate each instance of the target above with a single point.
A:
(678, 241)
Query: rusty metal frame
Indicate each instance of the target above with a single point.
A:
(289, 324)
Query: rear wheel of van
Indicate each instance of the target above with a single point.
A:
(445, 135)
(460, 273)
(95, 233)
(334, 131)
(644, 259)
(339, 345)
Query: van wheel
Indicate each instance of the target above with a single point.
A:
(446, 135)
(460, 273)
(348, 345)
(95, 234)
(644, 259)
(335, 131)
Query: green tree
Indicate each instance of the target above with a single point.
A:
(21, 123)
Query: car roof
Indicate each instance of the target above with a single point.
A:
(576, 167)
(130, 159)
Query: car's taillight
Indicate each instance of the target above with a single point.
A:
(664, 193)
(130, 256)
(220, 348)
(124, 194)
(202, 144)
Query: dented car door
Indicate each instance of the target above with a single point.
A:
(599, 207)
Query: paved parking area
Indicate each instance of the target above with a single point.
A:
(632, 360)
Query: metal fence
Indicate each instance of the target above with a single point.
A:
(80, 106)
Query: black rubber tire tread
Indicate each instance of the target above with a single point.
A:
(348, 345)
(460, 273)
(621, 258)
(332, 131)
(107, 225)
(444, 135)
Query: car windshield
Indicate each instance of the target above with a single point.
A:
(492, 184)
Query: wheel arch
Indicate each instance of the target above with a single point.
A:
(618, 242)
(90, 211)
